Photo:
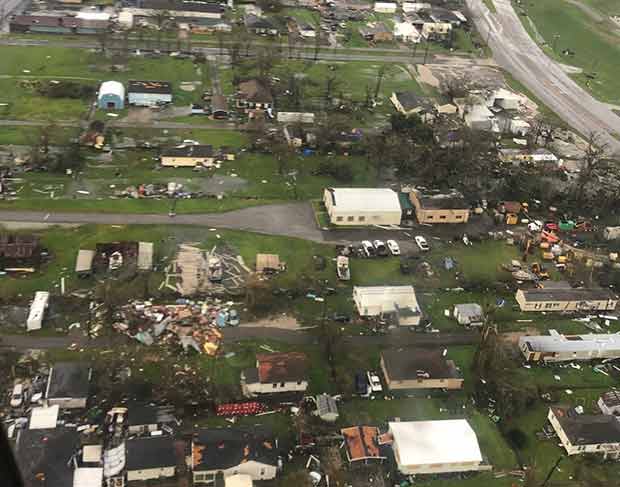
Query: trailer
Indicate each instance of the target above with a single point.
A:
(342, 268)
(37, 310)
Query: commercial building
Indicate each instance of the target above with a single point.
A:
(111, 96)
(362, 206)
(565, 298)
(398, 302)
(68, 385)
(150, 458)
(417, 368)
(37, 310)
(276, 373)
(556, 347)
(149, 93)
(440, 208)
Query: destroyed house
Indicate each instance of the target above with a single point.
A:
(149, 93)
(376, 32)
(190, 155)
(14, 246)
(276, 373)
(231, 452)
(326, 408)
(609, 403)
(362, 445)
(417, 368)
(142, 418)
(261, 25)
(410, 103)
(397, 302)
(566, 299)
(253, 94)
(112, 256)
(68, 385)
(440, 208)
(586, 433)
(150, 457)
(556, 347)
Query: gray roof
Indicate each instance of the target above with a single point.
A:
(411, 363)
(68, 380)
(326, 405)
(555, 342)
(611, 399)
(150, 452)
(469, 310)
(410, 100)
(568, 294)
(443, 201)
(586, 429)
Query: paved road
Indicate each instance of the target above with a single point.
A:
(118, 123)
(515, 51)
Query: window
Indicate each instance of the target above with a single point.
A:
(339, 218)
(459, 217)
(281, 384)
(262, 472)
(350, 218)
(275, 385)
(442, 217)
(361, 218)
(429, 217)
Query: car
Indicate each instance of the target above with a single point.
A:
(421, 242)
(392, 245)
(374, 381)
(17, 396)
(380, 248)
(369, 249)
(362, 388)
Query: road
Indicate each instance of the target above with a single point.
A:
(154, 124)
(515, 51)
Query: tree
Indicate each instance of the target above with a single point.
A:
(594, 167)
(380, 75)
(270, 5)
(103, 37)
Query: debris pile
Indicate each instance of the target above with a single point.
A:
(240, 409)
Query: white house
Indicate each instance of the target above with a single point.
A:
(415, 6)
(276, 373)
(468, 314)
(150, 457)
(385, 7)
(435, 30)
(362, 206)
(556, 347)
(609, 403)
(232, 452)
(37, 310)
(406, 32)
(432, 447)
(586, 433)
(387, 300)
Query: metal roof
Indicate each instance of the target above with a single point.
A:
(112, 88)
(556, 342)
(365, 199)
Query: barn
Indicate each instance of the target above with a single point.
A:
(111, 96)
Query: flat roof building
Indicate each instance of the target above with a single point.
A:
(68, 385)
(566, 298)
(440, 208)
(417, 368)
(556, 347)
(399, 302)
(362, 206)
(149, 93)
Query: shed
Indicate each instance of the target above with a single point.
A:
(268, 263)
(149, 93)
(111, 96)
(468, 314)
(326, 408)
(362, 206)
(84, 262)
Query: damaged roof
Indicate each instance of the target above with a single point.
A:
(191, 150)
(150, 452)
(568, 294)
(445, 201)
(361, 442)
(281, 367)
(255, 91)
(159, 87)
(220, 449)
(68, 380)
(411, 363)
(587, 429)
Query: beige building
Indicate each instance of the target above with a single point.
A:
(188, 156)
(440, 208)
(362, 206)
(566, 299)
(385, 301)
(417, 368)
(275, 373)
(436, 30)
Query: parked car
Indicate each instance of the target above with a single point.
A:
(374, 381)
(17, 396)
(362, 388)
(369, 250)
(392, 245)
(380, 248)
(421, 243)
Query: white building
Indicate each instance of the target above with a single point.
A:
(406, 32)
(436, 30)
(362, 206)
(150, 457)
(111, 96)
(432, 447)
(275, 373)
(125, 19)
(586, 433)
(385, 7)
(37, 310)
(88, 477)
(415, 6)
(388, 300)
(556, 347)
(468, 314)
(609, 403)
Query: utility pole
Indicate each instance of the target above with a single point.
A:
(555, 39)
(426, 52)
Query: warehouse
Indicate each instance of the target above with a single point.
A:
(149, 93)
(111, 96)
(362, 206)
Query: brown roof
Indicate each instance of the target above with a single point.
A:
(361, 442)
(413, 363)
(511, 206)
(255, 91)
(281, 367)
(267, 262)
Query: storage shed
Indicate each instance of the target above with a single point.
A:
(111, 96)
(362, 206)
(149, 93)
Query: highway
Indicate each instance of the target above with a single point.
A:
(516, 52)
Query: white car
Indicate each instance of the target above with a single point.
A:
(17, 396)
(380, 248)
(369, 249)
(421, 243)
(374, 381)
(393, 246)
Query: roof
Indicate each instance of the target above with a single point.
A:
(220, 449)
(361, 442)
(611, 399)
(160, 87)
(238, 480)
(59, 21)
(150, 452)
(365, 199)
(68, 379)
(112, 88)
(219, 103)
(587, 429)
(145, 256)
(444, 201)
(405, 201)
(44, 418)
(568, 294)
(267, 261)
(469, 310)
(84, 261)
(555, 342)
(139, 414)
(255, 91)
(374, 29)
(88, 477)
(405, 29)
(434, 442)
(258, 22)
(181, 6)
(410, 100)
(388, 297)
(282, 367)
(326, 404)
(190, 150)
(413, 363)
(92, 453)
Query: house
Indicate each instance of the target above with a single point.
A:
(609, 403)
(295, 117)
(276, 373)
(406, 32)
(436, 30)
(586, 433)
(68, 385)
(468, 314)
(477, 116)
(260, 25)
(543, 155)
(506, 99)
(44, 418)
(415, 7)
(16, 246)
(253, 94)
(445, 16)
(88, 477)
(566, 298)
(440, 208)
(149, 93)
(409, 103)
(268, 263)
(190, 155)
(362, 445)
(326, 408)
(556, 347)
(362, 206)
(181, 10)
(386, 301)
(37, 310)
(150, 458)
(417, 368)
(142, 418)
(385, 7)
(232, 452)
(219, 107)
(48, 24)
(111, 96)
(434, 447)
(376, 32)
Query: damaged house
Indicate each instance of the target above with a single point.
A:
(276, 373)
(392, 302)
(149, 93)
(232, 452)
(417, 368)
(150, 458)
(440, 208)
(188, 155)
(68, 385)
(566, 298)
(362, 445)
(253, 94)
(556, 347)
